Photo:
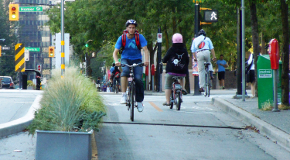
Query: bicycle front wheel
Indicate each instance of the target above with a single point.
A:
(132, 101)
(178, 101)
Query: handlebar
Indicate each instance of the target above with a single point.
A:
(133, 65)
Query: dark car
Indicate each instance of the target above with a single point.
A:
(7, 82)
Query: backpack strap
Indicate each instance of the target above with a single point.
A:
(137, 40)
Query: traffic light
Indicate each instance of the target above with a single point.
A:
(87, 45)
(13, 12)
(51, 51)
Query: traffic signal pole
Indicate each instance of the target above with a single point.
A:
(62, 40)
(196, 29)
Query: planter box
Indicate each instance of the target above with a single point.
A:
(63, 145)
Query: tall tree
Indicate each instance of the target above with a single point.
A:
(285, 53)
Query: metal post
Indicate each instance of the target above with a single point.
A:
(86, 65)
(243, 51)
(158, 73)
(62, 40)
(275, 104)
(196, 29)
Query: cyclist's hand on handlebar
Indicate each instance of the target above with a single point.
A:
(118, 64)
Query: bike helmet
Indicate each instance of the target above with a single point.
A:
(177, 38)
(201, 32)
(131, 21)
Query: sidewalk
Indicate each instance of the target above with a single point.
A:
(274, 125)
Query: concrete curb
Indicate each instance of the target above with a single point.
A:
(265, 128)
(20, 124)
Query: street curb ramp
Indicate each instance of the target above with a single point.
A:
(282, 138)
(22, 123)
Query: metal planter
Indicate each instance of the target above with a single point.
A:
(63, 145)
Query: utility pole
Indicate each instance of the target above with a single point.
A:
(196, 29)
(62, 40)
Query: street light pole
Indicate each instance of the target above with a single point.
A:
(62, 40)
(86, 57)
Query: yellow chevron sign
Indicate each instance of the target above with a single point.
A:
(19, 58)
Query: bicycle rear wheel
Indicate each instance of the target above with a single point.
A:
(117, 87)
(208, 84)
(171, 100)
(178, 101)
(132, 101)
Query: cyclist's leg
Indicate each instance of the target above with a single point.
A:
(168, 88)
(138, 81)
(201, 71)
(124, 76)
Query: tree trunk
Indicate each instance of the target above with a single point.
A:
(255, 38)
(285, 54)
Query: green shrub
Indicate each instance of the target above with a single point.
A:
(30, 83)
(71, 103)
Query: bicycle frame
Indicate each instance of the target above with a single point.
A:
(131, 89)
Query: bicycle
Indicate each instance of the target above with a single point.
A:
(131, 89)
(207, 79)
(176, 93)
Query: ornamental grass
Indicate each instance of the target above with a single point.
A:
(71, 103)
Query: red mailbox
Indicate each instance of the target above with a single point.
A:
(146, 70)
(274, 53)
(152, 70)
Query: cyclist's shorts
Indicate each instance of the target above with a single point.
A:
(137, 70)
(221, 75)
(169, 80)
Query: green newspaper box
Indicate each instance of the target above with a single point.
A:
(265, 81)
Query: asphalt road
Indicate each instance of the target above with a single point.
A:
(199, 131)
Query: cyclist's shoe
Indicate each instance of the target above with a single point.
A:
(166, 104)
(140, 106)
(184, 92)
(201, 90)
(123, 99)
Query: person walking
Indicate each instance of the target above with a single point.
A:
(131, 43)
(177, 61)
(250, 74)
(201, 48)
(222, 65)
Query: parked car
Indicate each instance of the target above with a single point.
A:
(7, 82)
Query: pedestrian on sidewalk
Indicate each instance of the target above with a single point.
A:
(250, 73)
(222, 65)
(177, 61)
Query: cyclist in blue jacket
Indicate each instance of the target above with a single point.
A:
(130, 55)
